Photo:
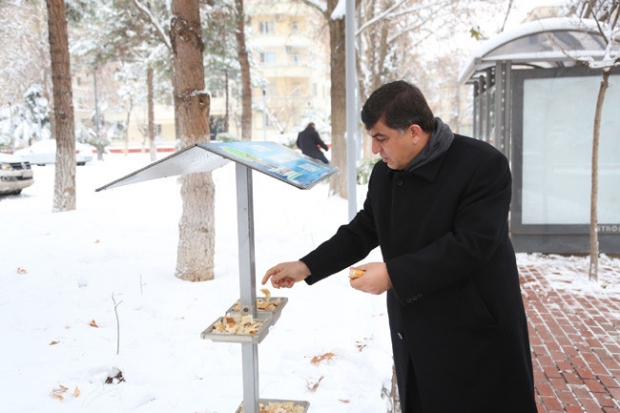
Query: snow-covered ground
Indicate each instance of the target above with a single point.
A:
(63, 275)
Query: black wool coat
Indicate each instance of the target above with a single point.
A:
(308, 141)
(458, 325)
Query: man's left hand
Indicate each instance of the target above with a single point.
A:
(375, 280)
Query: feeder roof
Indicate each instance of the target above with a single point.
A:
(542, 43)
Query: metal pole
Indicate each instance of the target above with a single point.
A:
(264, 115)
(12, 128)
(351, 105)
(249, 358)
(245, 231)
(96, 103)
(247, 283)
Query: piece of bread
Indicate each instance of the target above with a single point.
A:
(355, 274)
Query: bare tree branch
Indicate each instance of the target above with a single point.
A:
(160, 30)
(118, 325)
(379, 17)
(506, 17)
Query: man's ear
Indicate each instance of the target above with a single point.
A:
(416, 133)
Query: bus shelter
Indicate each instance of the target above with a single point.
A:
(535, 102)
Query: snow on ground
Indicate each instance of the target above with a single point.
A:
(571, 272)
(66, 276)
(62, 273)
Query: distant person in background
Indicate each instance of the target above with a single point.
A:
(309, 141)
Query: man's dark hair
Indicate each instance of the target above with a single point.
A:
(401, 105)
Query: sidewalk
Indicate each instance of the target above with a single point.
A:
(575, 339)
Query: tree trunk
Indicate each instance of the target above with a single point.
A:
(196, 227)
(246, 87)
(64, 181)
(338, 182)
(226, 113)
(129, 109)
(151, 113)
(594, 246)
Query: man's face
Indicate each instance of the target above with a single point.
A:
(396, 149)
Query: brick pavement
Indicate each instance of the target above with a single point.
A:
(575, 340)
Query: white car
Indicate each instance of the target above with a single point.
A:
(44, 152)
(15, 174)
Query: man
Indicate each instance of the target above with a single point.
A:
(437, 206)
(309, 141)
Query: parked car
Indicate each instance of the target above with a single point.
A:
(15, 174)
(44, 152)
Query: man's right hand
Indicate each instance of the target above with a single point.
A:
(286, 274)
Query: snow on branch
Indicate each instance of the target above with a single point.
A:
(420, 7)
(408, 29)
(387, 14)
(316, 4)
(162, 33)
(340, 10)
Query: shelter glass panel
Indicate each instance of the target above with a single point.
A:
(558, 122)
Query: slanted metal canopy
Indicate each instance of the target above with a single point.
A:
(189, 160)
(268, 158)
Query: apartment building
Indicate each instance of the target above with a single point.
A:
(290, 45)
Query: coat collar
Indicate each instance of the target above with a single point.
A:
(428, 171)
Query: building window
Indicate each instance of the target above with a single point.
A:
(296, 89)
(268, 58)
(267, 27)
(315, 90)
(293, 55)
(294, 27)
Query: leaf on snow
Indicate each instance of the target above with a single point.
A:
(54, 342)
(313, 385)
(22, 270)
(115, 379)
(93, 323)
(57, 393)
(327, 356)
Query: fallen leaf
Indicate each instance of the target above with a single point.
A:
(111, 379)
(76, 392)
(326, 356)
(54, 342)
(344, 401)
(313, 385)
(93, 324)
(21, 270)
(57, 393)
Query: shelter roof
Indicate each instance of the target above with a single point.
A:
(542, 43)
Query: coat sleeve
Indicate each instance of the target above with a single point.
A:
(350, 244)
(479, 227)
(321, 143)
